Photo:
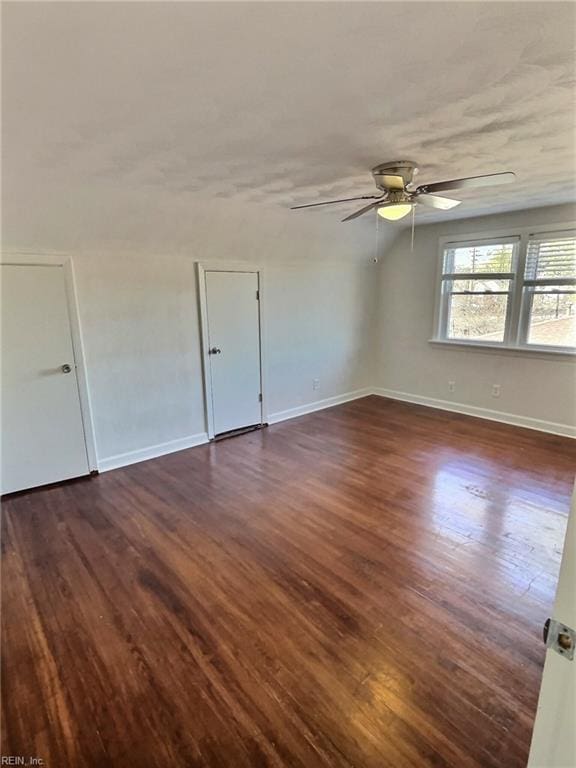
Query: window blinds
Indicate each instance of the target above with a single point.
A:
(551, 257)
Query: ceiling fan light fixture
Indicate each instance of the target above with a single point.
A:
(395, 211)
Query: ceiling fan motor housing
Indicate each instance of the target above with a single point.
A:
(398, 196)
(407, 169)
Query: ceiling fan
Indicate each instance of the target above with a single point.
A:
(398, 195)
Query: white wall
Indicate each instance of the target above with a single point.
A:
(134, 252)
(320, 324)
(140, 327)
(532, 387)
(330, 314)
(140, 324)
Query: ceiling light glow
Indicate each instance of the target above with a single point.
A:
(395, 211)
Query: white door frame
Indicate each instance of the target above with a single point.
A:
(55, 259)
(553, 739)
(229, 266)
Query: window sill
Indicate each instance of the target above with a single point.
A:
(533, 351)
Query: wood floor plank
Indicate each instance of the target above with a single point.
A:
(361, 587)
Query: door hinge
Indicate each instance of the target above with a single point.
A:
(257, 295)
(560, 638)
(260, 397)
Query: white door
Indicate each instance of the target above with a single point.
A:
(232, 310)
(42, 432)
(554, 737)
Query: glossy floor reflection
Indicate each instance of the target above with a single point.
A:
(364, 586)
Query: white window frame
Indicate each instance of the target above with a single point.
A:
(517, 316)
(524, 320)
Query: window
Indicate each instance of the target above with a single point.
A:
(550, 291)
(510, 291)
(476, 287)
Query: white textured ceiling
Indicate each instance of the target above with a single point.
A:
(274, 104)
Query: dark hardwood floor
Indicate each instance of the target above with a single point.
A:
(361, 587)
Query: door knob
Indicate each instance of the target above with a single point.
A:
(214, 351)
(66, 368)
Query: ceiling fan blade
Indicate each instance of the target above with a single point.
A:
(467, 183)
(435, 201)
(361, 211)
(332, 202)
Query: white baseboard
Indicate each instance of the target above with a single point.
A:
(566, 430)
(318, 405)
(152, 452)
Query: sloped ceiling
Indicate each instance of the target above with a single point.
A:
(173, 108)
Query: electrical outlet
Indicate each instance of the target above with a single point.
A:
(315, 383)
(495, 390)
(451, 386)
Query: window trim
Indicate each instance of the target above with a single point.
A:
(516, 325)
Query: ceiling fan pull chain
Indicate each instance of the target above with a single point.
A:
(377, 234)
(413, 217)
